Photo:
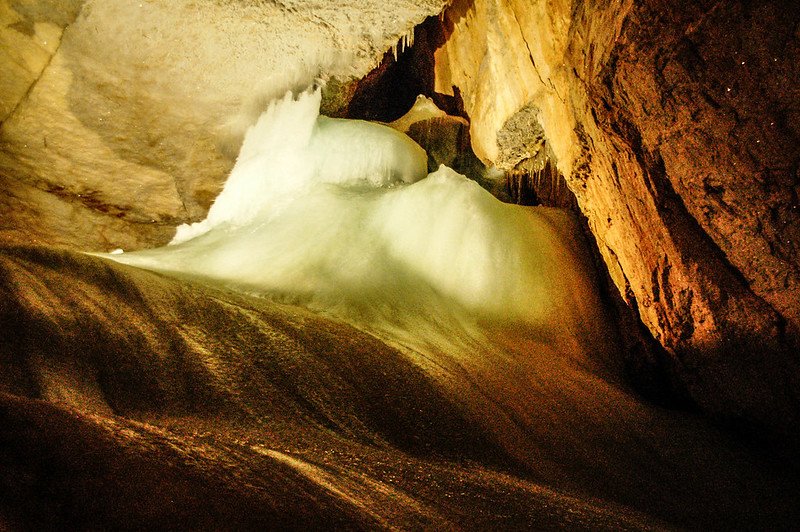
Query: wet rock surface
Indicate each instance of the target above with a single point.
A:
(131, 398)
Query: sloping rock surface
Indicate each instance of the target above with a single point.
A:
(131, 399)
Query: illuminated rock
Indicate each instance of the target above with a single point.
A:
(671, 125)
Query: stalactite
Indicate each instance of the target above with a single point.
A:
(405, 42)
(537, 181)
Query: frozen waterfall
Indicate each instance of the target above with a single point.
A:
(341, 216)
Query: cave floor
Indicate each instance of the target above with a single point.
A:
(130, 399)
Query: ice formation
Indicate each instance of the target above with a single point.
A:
(291, 148)
(340, 216)
(405, 42)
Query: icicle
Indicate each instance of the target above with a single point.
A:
(405, 42)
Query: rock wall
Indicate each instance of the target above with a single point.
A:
(676, 126)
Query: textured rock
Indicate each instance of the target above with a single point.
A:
(532, 176)
(444, 137)
(676, 126)
(723, 294)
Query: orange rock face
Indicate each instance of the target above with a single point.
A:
(676, 128)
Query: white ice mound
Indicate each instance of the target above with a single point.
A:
(291, 147)
(307, 217)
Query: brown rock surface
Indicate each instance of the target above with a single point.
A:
(675, 124)
(128, 398)
(444, 137)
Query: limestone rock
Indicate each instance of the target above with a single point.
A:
(676, 126)
(125, 114)
(444, 137)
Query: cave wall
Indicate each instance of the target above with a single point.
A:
(120, 120)
(694, 106)
(676, 126)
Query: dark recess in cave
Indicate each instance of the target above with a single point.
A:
(539, 186)
(389, 91)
